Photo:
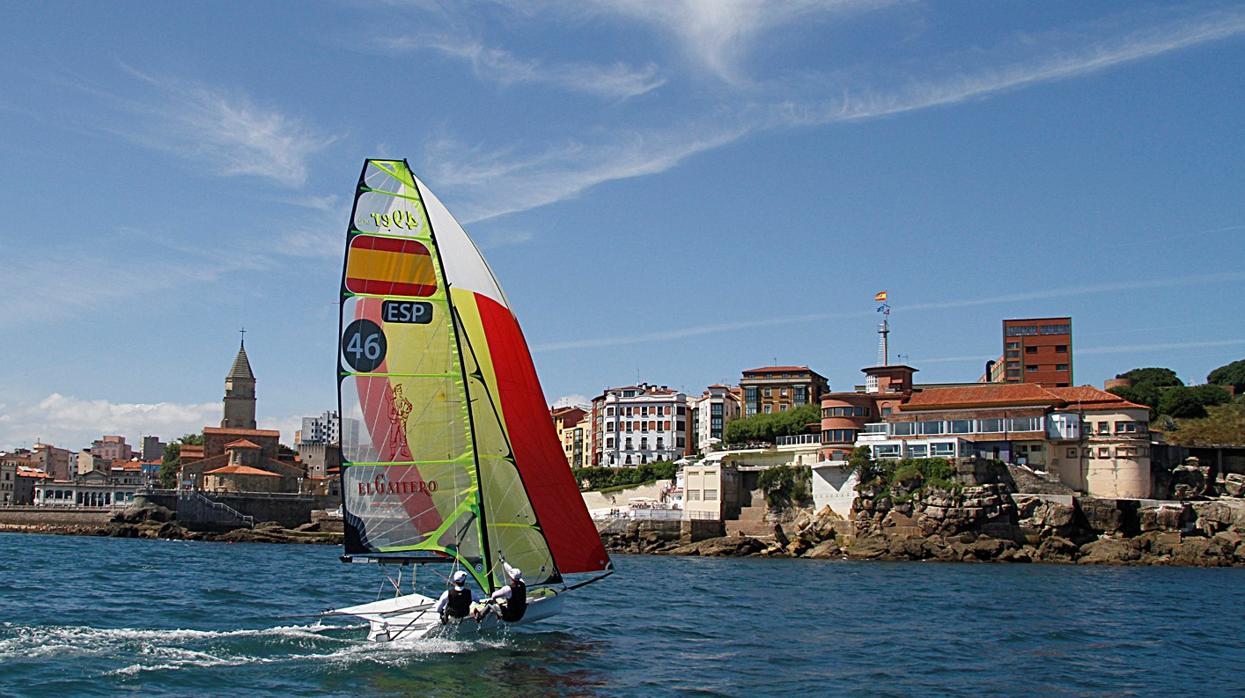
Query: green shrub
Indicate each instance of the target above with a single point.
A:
(768, 427)
(786, 486)
(599, 478)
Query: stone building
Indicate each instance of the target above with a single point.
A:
(239, 393)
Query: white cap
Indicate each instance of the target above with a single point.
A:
(460, 577)
(516, 573)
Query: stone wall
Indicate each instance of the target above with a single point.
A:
(48, 516)
(290, 511)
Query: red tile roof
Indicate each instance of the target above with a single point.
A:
(1020, 394)
(240, 470)
(778, 369)
(23, 471)
(242, 443)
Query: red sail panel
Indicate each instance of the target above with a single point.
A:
(551, 488)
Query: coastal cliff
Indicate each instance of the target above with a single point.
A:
(987, 523)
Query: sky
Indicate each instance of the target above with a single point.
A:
(668, 191)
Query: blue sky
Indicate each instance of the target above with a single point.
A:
(673, 191)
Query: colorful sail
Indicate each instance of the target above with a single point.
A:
(456, 456)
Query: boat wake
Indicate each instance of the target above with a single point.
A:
(123, 652)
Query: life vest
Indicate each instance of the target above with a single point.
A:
(516, 605)
(458, 605)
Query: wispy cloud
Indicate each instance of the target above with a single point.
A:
(617, 80)
(997, 299)
(492, 184)
(504, 238)
(575, 400)
(222, 129)
(507, 180)
(718, 34)
(72, 422)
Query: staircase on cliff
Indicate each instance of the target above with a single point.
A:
(751, 521)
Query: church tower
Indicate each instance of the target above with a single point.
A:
(240, 393)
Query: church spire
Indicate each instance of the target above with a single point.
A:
(240, 392)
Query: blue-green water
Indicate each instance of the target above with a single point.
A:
(102, 616)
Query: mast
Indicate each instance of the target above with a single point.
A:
(455, 324)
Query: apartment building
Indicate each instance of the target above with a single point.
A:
(717, 407)
(640, 424)
(1035, 350)
(771, 389)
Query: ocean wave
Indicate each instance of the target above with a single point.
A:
(147, 650)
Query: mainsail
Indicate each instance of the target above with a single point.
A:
(456, 456)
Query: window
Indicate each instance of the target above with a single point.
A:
(902, 428)
(945, 450)
(989, 426)
(609, 443)
(1126, 427)
(1072, 453)
(1013, 345)
(1013, 354)
(1104, 452)
(1031, 367)
(644, 443)
(693, 495)
(1104, 427)
(1030, 350)
(1061, 348)
(961, 426)
(1013, 373)
(886, 411)
(1061, 367)
(886, 451)
(782, 392)
(1035, 448)
(628, 446)
(769, 409)
(661, 446)
(838, 436)
(609, 411)
(766, 392)
(931, 427)
(783, 407)
(1024, 424)
(679, 443)
(1126, 452)
(918, 450)
(800, 395)
(711, 495)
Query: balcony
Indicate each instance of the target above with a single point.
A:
(876, 431)
(798, 440)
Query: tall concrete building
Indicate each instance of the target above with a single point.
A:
(1035, 350)
(239, 393)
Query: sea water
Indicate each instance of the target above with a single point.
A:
(93, 616)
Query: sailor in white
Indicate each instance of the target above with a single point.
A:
(456, 601)
(509, 602)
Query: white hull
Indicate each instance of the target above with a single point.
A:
(411, 617)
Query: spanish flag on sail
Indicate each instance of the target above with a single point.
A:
(880, 296)
(389, 266)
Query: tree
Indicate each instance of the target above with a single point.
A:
(171, 462)
(1191, 403)
(862, 463)
(1155, 377)
(1232, 374)
(768, 427)
(1147, 395)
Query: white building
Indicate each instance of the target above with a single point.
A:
(323, 429)
(642, 424)
(714, 409)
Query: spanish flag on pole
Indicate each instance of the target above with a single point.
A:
(880, 296)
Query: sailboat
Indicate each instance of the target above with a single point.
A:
(448, 451)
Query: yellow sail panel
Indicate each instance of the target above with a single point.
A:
(511, 527)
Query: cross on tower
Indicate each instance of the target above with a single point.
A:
(243, 333)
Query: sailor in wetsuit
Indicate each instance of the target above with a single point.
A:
(509, 602)
(455, 603)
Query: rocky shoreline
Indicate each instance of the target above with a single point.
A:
(156, 522)
(983, 524)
